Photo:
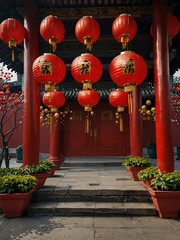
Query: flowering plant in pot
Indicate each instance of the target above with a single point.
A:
(165, 194)
(147, 174)
(134, 165)
(15, 193)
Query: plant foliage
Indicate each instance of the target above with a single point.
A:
(17, 183)
(149, 172)
(166, 181)
(136, 162)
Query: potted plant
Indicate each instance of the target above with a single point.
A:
(165, 194)
(40, 171)
(134, 165)
(15, 193)
(52, 166)
(147, 174)
(151, 149)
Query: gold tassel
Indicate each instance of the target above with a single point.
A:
(130, 103)
(13, 56)
(121, 123)
(87, 123)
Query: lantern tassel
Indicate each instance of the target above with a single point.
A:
(87, 123)
(130, 103)
(120, 123)
(12, 55)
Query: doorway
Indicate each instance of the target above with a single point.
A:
(104, 137)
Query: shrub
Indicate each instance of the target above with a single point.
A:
(136, 162)
(149, 172)
(17, 183)
(166, 181)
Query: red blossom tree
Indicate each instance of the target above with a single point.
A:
(11, 105)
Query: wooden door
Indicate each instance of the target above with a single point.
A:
(104, 137)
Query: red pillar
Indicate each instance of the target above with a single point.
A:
(136, 124)
(55, 144)
(165, 155)
(31, 122)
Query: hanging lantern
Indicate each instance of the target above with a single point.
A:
(86, 69)
(53, 100)
(118, 98)
(87, 31)
(124, 29)
(88, 99)
(49, 69)
(173, 26)
(128, 70)
(52, 30)
(12, 33)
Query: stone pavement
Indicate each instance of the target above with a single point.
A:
(104, 227)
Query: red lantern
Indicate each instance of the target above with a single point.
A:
(52, 30)
(12, 33)
(86, 69)
(88, 99)
(87, 31)
(173, 25)
(124, 29)
(128, 69)
(118, 98)
(54, 100)
(49, 69)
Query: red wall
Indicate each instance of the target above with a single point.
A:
(148, 135)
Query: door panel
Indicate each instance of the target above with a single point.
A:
(76, 142)
(108, 140)
(104, 137)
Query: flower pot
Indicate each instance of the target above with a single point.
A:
(133, 171)
(41, 178)
(167, 203)
(147, 182)
(52, 172)
(15, 204)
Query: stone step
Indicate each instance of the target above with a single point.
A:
(92, 161)
(59, 194)
(91, 208)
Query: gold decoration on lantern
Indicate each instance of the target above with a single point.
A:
(88, 42)
(148, 113)
(52, 41)
(47, 115)
(119, 118)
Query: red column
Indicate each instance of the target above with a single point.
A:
(136, 125)
(165, 155)
(55, 144)
(31, 122)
